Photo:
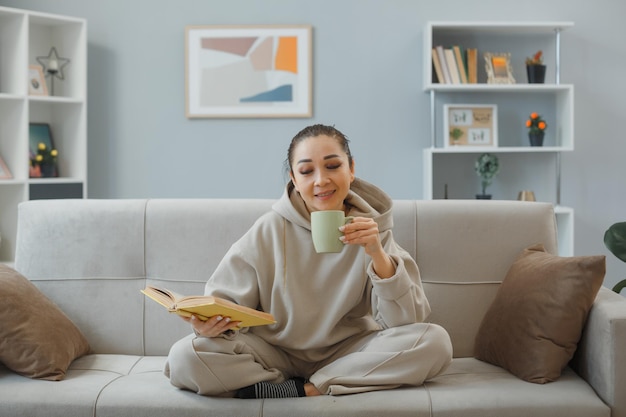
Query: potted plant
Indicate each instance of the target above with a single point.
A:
(536, 129)
(486, 167)
(456, 134)
(45, 162)
(535, 70)
(615, 241)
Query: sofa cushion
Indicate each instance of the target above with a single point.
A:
(37, 339)
(535, 322)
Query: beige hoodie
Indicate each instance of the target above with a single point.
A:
(319, 300)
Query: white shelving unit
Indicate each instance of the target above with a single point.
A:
(449, 171)
(24, 36)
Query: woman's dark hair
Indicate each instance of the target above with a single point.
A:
(312, 131)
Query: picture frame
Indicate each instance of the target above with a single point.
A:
(470, 125)
(498, 68)
(36, 81)
(5, 174)
(251, 71)
(41, 133)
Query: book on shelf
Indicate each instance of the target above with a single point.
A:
(472, 65)
(437, 67)
(206, 306)
(451, 63)
(460, 63)
(444, 66)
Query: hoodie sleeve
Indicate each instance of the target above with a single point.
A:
(234, 279)
(400, 299)
(239, 274)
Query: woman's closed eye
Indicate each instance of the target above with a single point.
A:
(330, 167)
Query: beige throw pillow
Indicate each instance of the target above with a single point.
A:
(533, 327)
(37, 339)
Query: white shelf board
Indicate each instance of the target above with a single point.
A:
(499, 149)
(498, 88)
(55, 180)
(558, 209)
(56, 99)
(519, 27)
(8, 96)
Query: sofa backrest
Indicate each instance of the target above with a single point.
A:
(92, 258)
(464, 249)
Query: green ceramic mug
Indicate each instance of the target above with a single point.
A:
(325, 226)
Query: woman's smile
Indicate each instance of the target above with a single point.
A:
(325, 195)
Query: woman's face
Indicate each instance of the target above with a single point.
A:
(321, 173)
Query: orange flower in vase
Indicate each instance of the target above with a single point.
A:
(537, 127)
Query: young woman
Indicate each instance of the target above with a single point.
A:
(347, 322)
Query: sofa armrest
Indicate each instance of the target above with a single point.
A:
(601, 355)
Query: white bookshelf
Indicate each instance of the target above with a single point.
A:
(24, 36)
(448, 171)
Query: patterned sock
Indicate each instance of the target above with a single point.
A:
(289, 389)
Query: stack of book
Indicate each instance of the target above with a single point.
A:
(455, 65)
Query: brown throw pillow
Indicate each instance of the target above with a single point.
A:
(37, 339)
(533, 327)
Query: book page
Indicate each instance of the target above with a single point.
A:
(206, 306)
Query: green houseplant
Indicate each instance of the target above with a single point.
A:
(486, 167)
(456, 134)
(615, 241)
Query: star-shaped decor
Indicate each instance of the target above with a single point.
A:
(53, 66)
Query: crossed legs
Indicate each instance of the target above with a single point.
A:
(405, 355)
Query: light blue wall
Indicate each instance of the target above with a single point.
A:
(367, 81)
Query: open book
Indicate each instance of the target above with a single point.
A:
(205, 306)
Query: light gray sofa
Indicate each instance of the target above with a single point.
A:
(92, 257)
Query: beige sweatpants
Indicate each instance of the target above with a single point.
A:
(406, 355)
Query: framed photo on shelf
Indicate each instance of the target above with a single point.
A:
(248, 71)
(40, 142)
(5, 174)
(498, 67)
(470, 125)
(36, 81)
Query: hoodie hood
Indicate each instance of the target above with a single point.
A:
(363, 200)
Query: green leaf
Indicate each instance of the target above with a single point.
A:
(620, 286)
(615, 240)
